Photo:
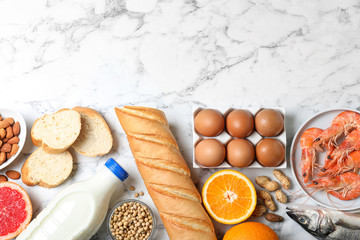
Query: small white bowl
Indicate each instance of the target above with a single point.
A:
(5, 113)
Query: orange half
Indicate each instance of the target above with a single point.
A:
(229, 196)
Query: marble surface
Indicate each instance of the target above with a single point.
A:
(302, 55)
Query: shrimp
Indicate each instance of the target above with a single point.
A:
(350, 144)
(345, 186)
(351, 163)
(308, 152)
(342, 123)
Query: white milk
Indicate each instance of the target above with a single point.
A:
(78, 211)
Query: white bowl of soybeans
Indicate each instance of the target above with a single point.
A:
(131, 220)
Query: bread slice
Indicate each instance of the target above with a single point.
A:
(46, 169)
(56, 132)
(95, 136)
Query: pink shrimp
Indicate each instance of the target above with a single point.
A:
(308, 153)
(350, 144)
(342, 123)
(345, 186)
(351, 163)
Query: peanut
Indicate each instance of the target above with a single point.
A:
(16, 128)
(266, 183)
(2, 133)
(259, 210)
(9, 132)
(272, 217)
(13, 174)
(268, 200)
(284, 180)
(280, 196)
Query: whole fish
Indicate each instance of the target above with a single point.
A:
(325, 223)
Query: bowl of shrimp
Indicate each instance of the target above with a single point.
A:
(325, 158)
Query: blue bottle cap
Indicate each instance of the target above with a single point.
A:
(114, 167)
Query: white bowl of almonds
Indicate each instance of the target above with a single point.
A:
(12, 136)
(133, 220)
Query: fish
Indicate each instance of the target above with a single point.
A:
(326, 224)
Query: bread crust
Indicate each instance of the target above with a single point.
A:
(165, 173)
(93, 113)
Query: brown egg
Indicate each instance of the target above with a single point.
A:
(240, 153)
(239, 123)
(270, 152)
(269, 122)
(210, 152)
(209, 122)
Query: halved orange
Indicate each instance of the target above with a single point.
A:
(229, 196)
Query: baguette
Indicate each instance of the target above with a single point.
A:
(165, 173)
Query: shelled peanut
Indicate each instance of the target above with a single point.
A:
(266, 183)
(9, 138)
(284, 180)
(268, 200)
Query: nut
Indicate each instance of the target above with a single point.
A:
(13, 140)
(9, 120)
(13, 151)
(280, 196)
(284, 180)
(5, 148)
(13, 174)
(272, 217)
(259, 210)
(132, 188)
(4, 124)
(5, 140)
(9, 132)
(2, 133)
(1, 142)
(16, 128)
(3, 178)
(2, 157)
(269, 202)
(266, 183)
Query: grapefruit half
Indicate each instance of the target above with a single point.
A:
(15, 210)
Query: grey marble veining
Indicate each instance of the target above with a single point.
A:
(303, 55)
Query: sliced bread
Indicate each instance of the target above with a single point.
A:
(56, 132)
(46, 169)
(95, 136)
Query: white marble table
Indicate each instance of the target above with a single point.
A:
(303, 55)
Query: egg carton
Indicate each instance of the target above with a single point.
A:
(225, 137)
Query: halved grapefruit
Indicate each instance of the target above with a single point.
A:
(15, 210)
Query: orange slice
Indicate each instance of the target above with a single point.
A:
(229, 196)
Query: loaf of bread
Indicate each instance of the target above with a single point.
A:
(165, 173)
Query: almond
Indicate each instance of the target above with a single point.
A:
(13, 174)
(3, 178)
(16, 128)
(2, 133)
(9, 120)
(5, 148)
(272, 217)
(4, 124)
(14, 150)
(13, 140)
(9, 132)
(1, 118)
(2, 157)
(5, 140)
